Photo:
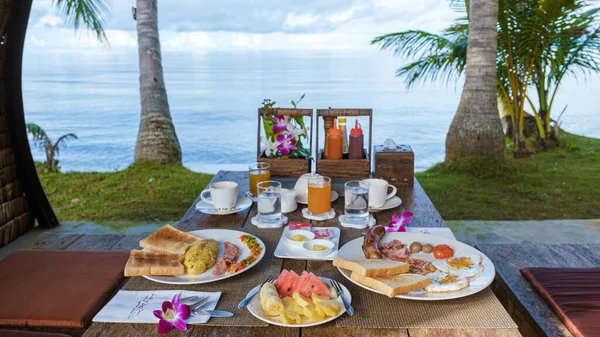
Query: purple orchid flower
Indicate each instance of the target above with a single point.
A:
(398, 222)
(172, 315)
(286, 144)
(280, 124)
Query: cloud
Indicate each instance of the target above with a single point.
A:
(249, 24)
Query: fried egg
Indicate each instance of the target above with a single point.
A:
(442, 282)
(464, 266)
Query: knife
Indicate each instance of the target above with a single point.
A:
(213, 313)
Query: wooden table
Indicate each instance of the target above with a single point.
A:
(414, 199)
(528, 309)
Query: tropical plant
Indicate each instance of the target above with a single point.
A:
(92, 14)
(283, 134)
(476, 130)
(156, 140)
(52, 150)
(540, 42)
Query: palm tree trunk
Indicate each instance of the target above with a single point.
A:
(157, 140)
(476, 130)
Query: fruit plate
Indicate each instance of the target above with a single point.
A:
(286, 251)
(221, 235)
(353, 250)
(256, 309)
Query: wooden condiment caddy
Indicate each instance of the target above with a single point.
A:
(343, 169)
(285, 167)
(396, 166)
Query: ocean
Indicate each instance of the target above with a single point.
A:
(214, 98)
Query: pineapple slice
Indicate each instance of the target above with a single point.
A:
(310, 312)
(317, 299)
(301, 300)
(290, 304)
(328, 308)
(289, 316)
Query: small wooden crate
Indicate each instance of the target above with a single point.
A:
(395, 166)
(285, 167)
(345, 169)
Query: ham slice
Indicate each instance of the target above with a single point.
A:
(394, 250)
(230, 256)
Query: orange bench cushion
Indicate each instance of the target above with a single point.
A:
(57, 289)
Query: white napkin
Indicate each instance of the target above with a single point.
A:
(137, 306)
(437, 231)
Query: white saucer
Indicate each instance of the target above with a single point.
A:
(370, 223)
(389, 204)
(277, 224)
(334, 197)
(206, 208)
(329, 216)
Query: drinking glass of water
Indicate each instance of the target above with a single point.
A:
(269, 201)
(356, 207)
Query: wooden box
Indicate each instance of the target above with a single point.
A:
(344, 169)
(286, 167)
(395, 166)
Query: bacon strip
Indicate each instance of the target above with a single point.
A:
(394, 250)
(230, 256)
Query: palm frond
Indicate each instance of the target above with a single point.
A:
(62, 141)
(90, 13)
(38, 135)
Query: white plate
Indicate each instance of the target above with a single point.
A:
(389, 204)
(353, 250)
(221, 235)
(242, 204)
(256, 309)
(285, 250)
(334, 197)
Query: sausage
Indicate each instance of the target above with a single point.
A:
(371, 243)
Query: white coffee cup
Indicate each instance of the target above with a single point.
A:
(223, 195)
(378, 192)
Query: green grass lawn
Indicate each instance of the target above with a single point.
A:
(563, 184)
(138, 193)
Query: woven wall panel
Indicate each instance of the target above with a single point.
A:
(15, 216)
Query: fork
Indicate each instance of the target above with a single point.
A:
(340, 292)
(253, 293)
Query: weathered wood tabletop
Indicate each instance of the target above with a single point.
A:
(528, 309)
(414, 199)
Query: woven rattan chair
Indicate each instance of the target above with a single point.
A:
(22, 199)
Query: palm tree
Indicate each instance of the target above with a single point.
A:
(475, 130)
(157, 140)
(52, 150)
(539, 44)
(90, 13)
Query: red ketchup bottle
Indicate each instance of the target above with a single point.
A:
(355, 150)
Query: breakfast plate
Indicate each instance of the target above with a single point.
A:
(221, 236)
(285, 250)
(353, 250)
(304, 201)
(255, 309)
(389, 204)
(242, 204)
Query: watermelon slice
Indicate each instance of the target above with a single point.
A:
(310, 284)
(287, 283)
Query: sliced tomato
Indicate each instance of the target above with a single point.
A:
(442, 252)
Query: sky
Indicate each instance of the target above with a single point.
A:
(208, 25)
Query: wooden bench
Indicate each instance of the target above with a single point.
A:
(526, 307)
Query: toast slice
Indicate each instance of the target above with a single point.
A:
(169, 240)
(152, 263)
(394, 284)
(372, 267)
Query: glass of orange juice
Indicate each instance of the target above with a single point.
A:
(319, 195)
(258, 172)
